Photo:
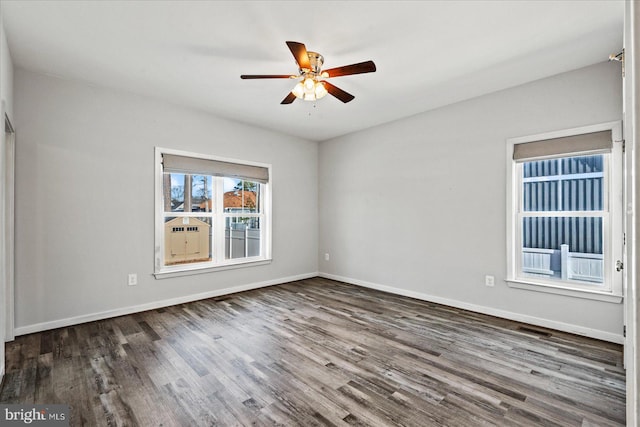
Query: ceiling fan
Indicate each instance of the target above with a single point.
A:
(312, 84)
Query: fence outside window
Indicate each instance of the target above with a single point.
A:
(562, 228)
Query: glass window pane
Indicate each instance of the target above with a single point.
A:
(540, 168)
(201, 194)
(187, 240)
(232, 195)
(582, 164)
(563, 248)
(540, 196)
(173, 192)
(241, 196)
(252, 197)
(566, 184)
(583, 194)
(242, 237)
(198, 192)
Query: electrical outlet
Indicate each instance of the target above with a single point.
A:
(133, 279)
(489, 280)
(326, 256)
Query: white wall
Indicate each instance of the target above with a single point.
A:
(417, 206)
(6, 72)
(85, 206)
(6, 107)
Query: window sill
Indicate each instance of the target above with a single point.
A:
(576, 293)
(166, 274)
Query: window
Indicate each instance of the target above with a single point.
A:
(564, 212)
(211, 213)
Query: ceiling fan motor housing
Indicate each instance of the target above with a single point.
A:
(316, 60)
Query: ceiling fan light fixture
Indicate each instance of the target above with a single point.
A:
(320, 90)
(309, 90)
(309, 85)
(298, 90)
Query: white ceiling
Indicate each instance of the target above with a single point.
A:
(428, 53)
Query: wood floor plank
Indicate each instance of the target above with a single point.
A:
(317, 352)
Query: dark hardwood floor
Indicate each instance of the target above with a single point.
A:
(317, 352)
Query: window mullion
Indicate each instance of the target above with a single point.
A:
(218, 219)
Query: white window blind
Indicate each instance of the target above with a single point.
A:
(192, 165)
(600, 142)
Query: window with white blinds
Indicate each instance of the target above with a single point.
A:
(210, 212)
(564, 211)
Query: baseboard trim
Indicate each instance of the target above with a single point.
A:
(532, 320)
(560, 326)
(70, 321)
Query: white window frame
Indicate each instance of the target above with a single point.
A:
(218, 261)
(611, 291)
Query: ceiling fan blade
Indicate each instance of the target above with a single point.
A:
(359, 68)
(266, 76)
(338, 93)
(299, 52)
(289, 99)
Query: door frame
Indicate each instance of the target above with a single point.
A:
(8, 224)
(631, 80)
